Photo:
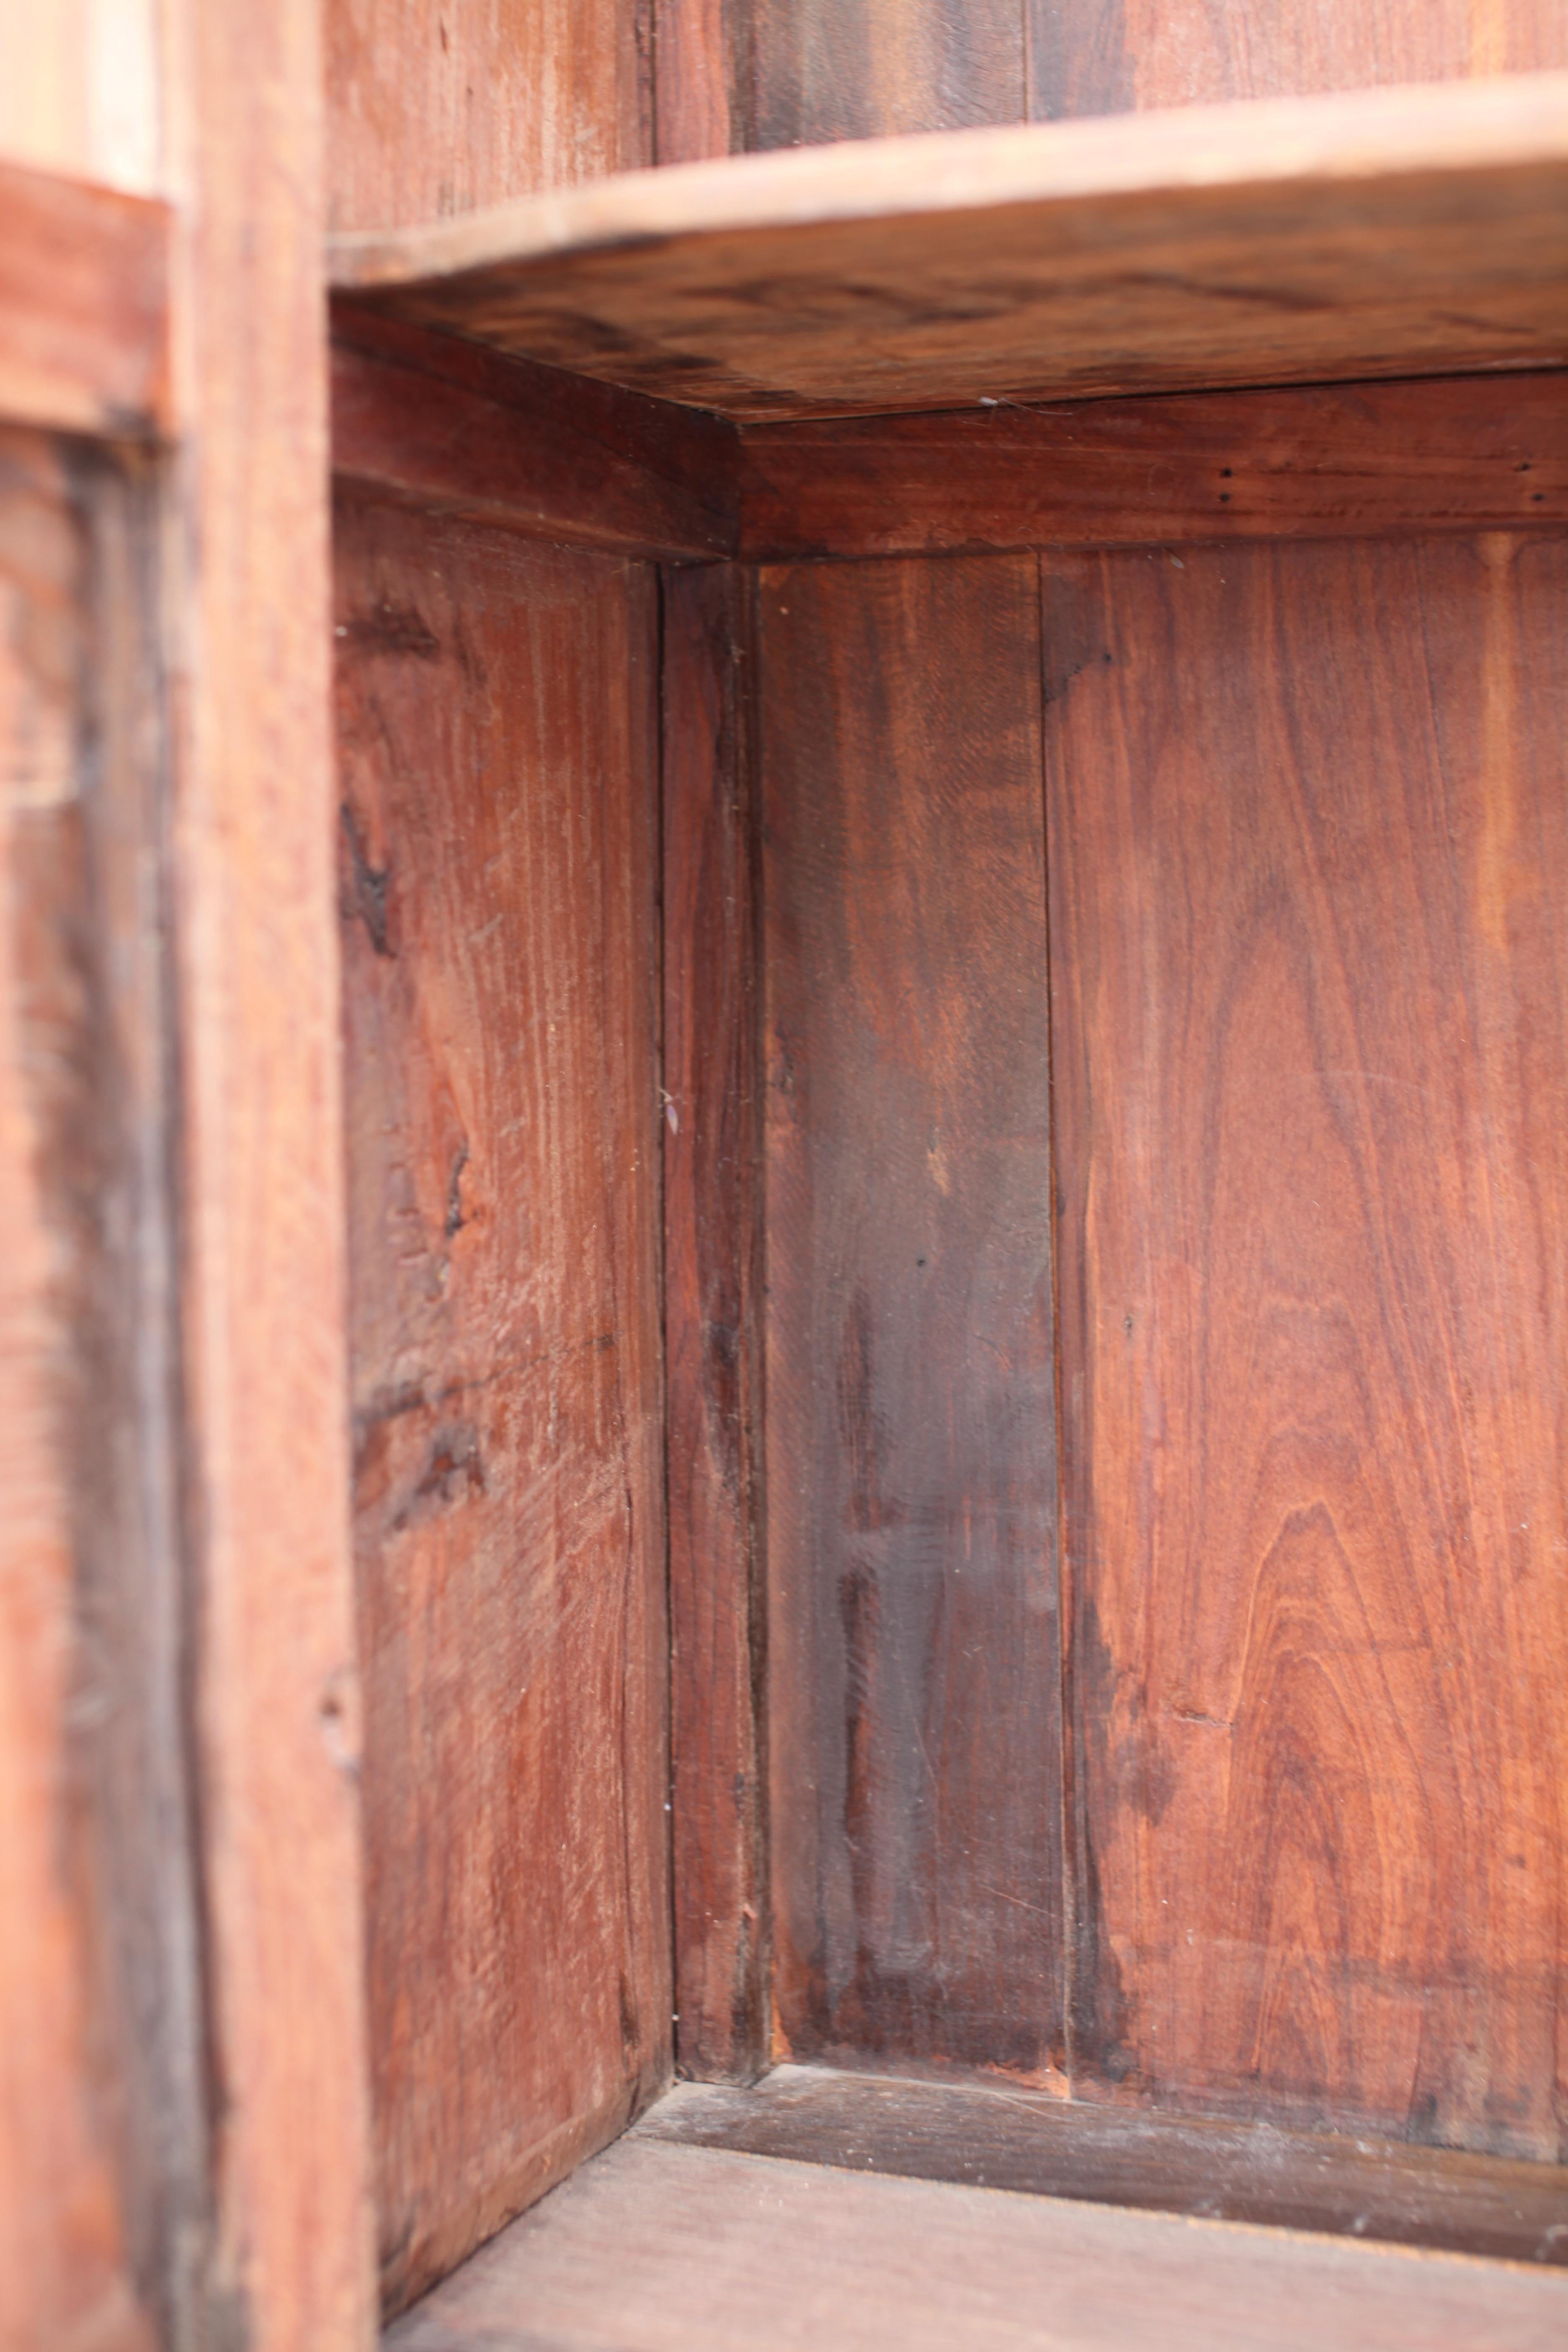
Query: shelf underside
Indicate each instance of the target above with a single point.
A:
(1388, 232)
(653, 2247)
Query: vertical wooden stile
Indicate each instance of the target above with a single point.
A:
(272, 1641)
(713, 1368)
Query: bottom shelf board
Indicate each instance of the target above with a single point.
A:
(991, 2135)
(660, 2247)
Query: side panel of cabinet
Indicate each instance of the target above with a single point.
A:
(913, 1644)
(98, 2108)
(499, 760)
(1309, 857)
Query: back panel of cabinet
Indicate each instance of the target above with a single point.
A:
(1299, 813)
(1309, 851)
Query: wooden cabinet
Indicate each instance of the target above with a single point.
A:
(786, 1376)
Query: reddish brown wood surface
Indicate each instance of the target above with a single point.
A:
(1028, 2141)
(70, 2111)
(83, 305)
(735, 74)
(1103, 57)
(270, 1659)
(713, 1215)
(447, 426)
(1472, 452)
(721, 2253)
(1309, 855)
(814, 70)
(1373, 233)
(912, 1647)
(445, 106)
(499, 755)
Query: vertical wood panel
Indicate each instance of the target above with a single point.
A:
(819, 70)
(445, 106)
(913, 1672)
(69, 2059)
(500, 845)
(1105, 56)
(1309, 857)
(271, 1642)
(700, 71)
(712, 1228)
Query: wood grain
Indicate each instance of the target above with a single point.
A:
(1465, 453)
(497, 746)
(720, 2252)
(712, 1224)
(1031, 2143)
(83, 306)
(1102, 57)
(270, 1655)
(700, 49)
(69, 2110)
(817, 71)
(1307, 850)
(912, 1642)
(438, 106)
(452, 428)
(1378, 233)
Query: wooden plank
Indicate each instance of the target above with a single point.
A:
(498, 749)
(1384, 233)
(443, 106)
(1307, 853)
(69, 2056)
(1101, 57)
(448, 426)
(270, 1655)
(712, 1223)
(818, 71)
(1030, 2143)
(913, 1678)
(720, 2252)
(83, 306)
(1465, 453)
(700, 55)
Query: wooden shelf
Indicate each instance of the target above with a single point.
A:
(988, 2134)
(654, 2248)
(1382, 233)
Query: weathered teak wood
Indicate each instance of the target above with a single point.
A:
(1465, 453)
(1374, 234)
(437, 106)
(994, 2137)
(660, 2249)
(912, 1666)
(84, 327)
(1087, 57)
(101, 2104)
(431, 420)
(269, 1654)
(445, 426)
(499, 755)
(712, 1293)
(816, 70)
(1308, 853)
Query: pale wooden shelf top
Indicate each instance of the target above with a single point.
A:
(654, 2248)
(1387, 232)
